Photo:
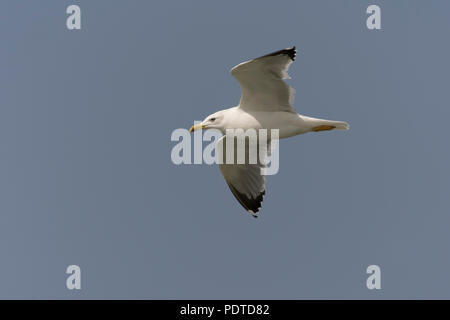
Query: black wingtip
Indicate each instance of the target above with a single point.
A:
(252, 205)
(290, 52)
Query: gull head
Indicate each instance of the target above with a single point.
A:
(213, 121)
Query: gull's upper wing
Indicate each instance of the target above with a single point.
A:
(262, 84)
(244, 180)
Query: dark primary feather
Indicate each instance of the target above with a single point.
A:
(250, 204)
(290, 52)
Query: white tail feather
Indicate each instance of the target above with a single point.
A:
(315, 122)
(340, 125)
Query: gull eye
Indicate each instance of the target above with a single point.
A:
(212, 119)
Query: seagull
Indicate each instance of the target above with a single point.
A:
(266, 103)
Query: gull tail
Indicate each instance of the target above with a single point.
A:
(317, 125)
(340, 125)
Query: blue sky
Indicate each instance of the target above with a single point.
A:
(86, 175)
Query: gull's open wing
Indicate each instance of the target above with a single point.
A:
(244, 180)
(262, 85)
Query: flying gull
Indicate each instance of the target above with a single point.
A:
(266, 103)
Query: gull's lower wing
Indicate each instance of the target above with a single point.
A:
(244, 180)
(262, 85)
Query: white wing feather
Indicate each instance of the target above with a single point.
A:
(262, 85)
(245, 181)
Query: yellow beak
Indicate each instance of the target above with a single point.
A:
(196, 127)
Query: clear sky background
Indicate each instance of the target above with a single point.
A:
(86, 176)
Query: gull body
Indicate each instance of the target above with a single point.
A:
(289, 124)
(266, 103)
